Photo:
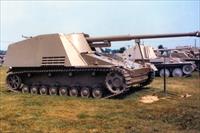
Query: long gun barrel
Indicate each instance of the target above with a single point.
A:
(135, 37)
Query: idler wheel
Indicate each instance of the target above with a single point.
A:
(13, 81)
(97, 93)
(85, 92)
(115, 82)
(25, 89)
(43, 90)
(177, 72)
(63, 91)
(34, 90)
(53, 90)
(73, 92)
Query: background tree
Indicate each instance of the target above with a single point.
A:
(161, 47)
(122, 49)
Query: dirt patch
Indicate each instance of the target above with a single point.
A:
(186, 95)
(149, 99)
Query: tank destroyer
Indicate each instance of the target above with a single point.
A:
(174, 67)
(60, 64)
(187, 54)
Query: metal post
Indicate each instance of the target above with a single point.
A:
(199, 63)
(164, 76)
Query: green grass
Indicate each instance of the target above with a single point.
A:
(27, 113)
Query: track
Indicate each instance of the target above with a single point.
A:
(127, 80)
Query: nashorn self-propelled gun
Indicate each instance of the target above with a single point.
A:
(59, 64)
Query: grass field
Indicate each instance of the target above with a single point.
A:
(172, 113)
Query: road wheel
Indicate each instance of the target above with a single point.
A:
(187, 69)
(97, 92)
(63, 91)
(43, 90)
(177, 72)
(73, 92)
(85, 92)
(52, 90)
(25, 89)
(167, 73)
(34, 90)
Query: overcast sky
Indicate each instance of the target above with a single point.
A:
(100, 19)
